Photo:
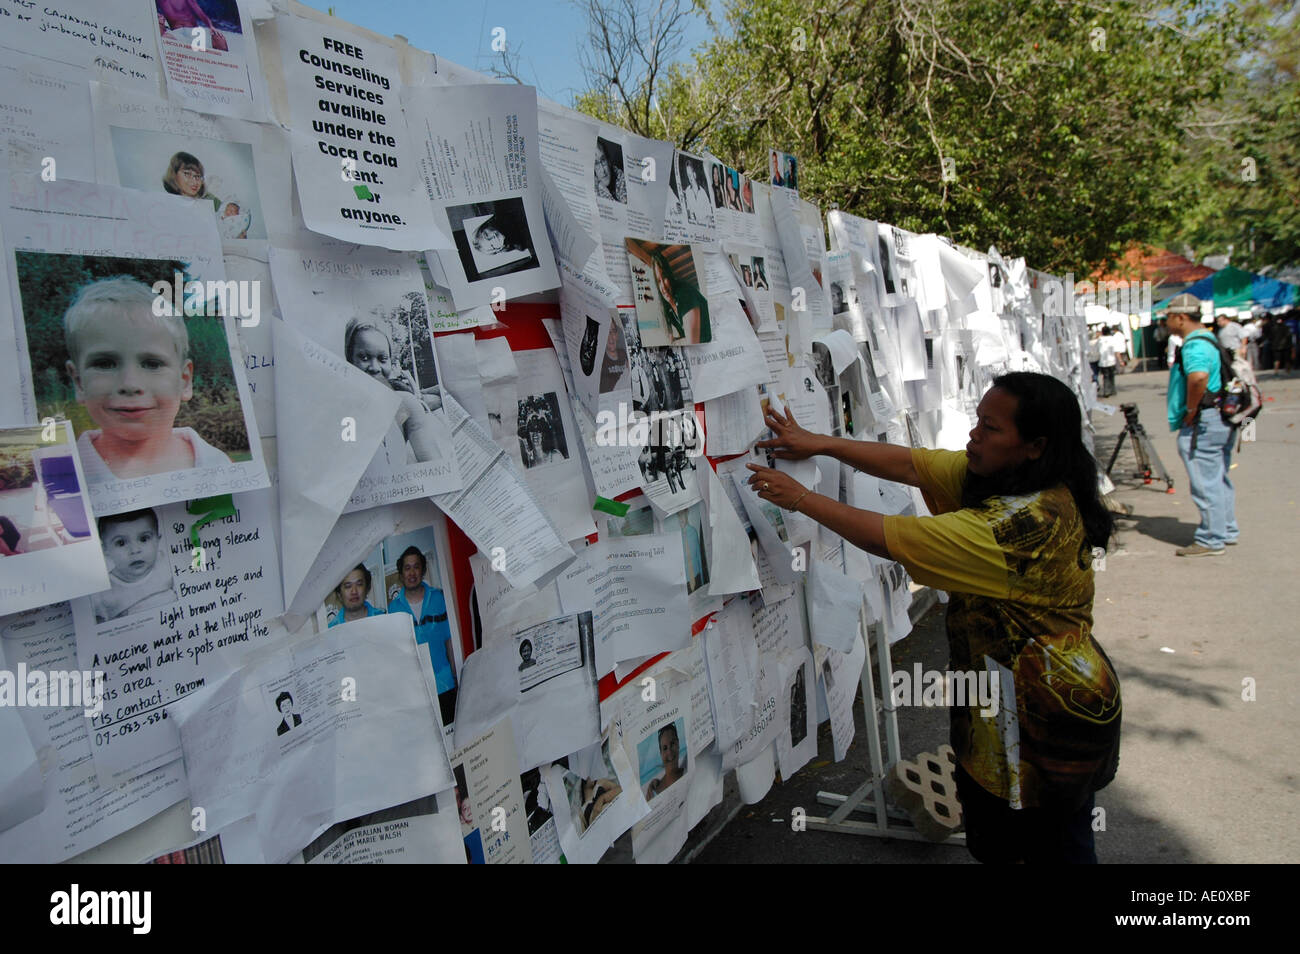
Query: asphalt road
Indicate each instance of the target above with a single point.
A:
(1206, 776)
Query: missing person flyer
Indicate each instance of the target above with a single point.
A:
(194, 587)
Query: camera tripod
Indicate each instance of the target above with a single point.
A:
(1143, 449)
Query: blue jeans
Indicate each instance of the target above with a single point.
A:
(1207, 473)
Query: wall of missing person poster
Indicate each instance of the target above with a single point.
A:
(306, 519)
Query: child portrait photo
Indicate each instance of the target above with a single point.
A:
(148, 392)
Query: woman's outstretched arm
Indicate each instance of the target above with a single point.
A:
(792, 442)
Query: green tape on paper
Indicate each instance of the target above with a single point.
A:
(610, 506)
(209, 509)
(362, 192)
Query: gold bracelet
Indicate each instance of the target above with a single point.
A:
(795, 506)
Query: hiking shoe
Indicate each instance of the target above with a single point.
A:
(1196, 550)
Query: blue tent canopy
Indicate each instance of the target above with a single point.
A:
(1234, 288)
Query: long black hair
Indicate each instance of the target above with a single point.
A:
(1046, 408)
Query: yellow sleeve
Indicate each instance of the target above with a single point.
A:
(954, 551)
(940, 474)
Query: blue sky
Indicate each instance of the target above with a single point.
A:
(546, 33)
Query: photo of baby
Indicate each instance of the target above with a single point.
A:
(492, 238)
(139, 569)
(221, 173)
(147, 392)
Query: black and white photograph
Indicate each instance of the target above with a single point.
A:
(289, 717)
(492, 238)
(660, 377)
(666, 468)
(674, 210)
(140, 572)
(886, 260)
(610, 178)
(798, 708)
(694, 190)
(541, 431)
(391, 343)
(537, 801)
(839, 300)
(613, 360)
(760, 274)
(671, 307)
(717, 184)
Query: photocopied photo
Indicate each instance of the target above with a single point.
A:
(206, 53)
(662, 758)
(405, 574)
(140, 571)
(372, 311)
(137, 349)
(49, 546)
(660, 377)
(146, 394)
(541, 431)
(492, 238)
(611, 181)
(482, 173)
(693, 183)
(593, 795)
(671, 307)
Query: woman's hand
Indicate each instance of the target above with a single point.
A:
(400, 380)
(775, 486)
(791, 442)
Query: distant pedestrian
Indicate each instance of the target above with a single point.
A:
(1204, 439)
(1231, 335)
(1280, 340)
(1107, 359)
(1161, 335)
(1094, 354)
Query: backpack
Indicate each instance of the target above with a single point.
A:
(1238, 398)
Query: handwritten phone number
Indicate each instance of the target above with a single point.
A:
(105, 736)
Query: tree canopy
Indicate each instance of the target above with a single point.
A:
(1061, 131)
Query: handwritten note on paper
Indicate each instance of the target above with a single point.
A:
(177, 615)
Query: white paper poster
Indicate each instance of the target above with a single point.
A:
(297, 739)
(481, 169)
(637, 587)
(489, 800)
(354, 160)
(370, 310)
(87, 39)
(178, 614)
(80, 812)
(159, 432)
(211, 64)
(238, 170)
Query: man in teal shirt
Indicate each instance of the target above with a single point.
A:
(1204, 439)
(429, 608)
